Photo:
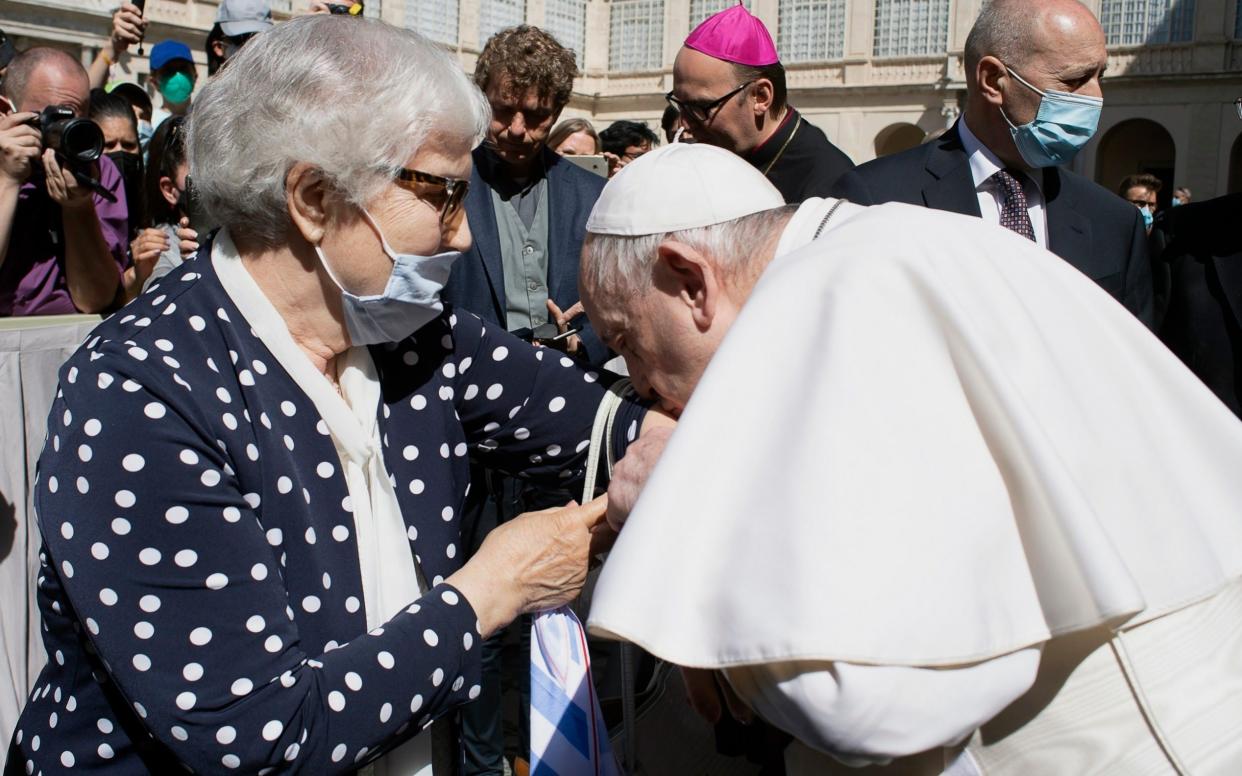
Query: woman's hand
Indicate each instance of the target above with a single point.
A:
(146, 250)
(187, 237)
(535, 562)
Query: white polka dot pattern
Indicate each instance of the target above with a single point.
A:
(199, 522)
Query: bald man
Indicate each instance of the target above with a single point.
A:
(1033, 100)
(62, 246)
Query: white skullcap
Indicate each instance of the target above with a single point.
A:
(681, 186)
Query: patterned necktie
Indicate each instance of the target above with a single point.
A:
(1014, 215)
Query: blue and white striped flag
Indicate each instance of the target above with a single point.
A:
(567, 732)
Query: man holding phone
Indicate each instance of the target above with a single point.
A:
(527, 206)
(527, 209)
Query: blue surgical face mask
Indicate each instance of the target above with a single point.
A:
(1147, 216)
(1064, 124)
(411, 299)
(145, 131)
(1177, 201)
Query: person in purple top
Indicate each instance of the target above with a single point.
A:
(62, 246)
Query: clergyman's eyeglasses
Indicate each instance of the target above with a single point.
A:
(702, 111)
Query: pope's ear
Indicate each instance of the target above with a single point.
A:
(683, 272)
(306, 197)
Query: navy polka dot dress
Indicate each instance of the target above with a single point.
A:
(200, 590)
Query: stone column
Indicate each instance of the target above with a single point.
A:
(595, 53)
(676, 28)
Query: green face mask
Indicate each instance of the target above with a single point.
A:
(176, 88)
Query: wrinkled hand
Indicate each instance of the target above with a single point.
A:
(187, 238)
(319, 6)
(146, 250)
(63, 187)
(20, 145)
(573, 342)
(631, 472)
(705, 688)
(545, 553)
(128, 27)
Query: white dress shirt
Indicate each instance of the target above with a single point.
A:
(983, 165)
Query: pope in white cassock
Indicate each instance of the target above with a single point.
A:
(938, 504)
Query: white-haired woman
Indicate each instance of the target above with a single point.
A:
(251, 556)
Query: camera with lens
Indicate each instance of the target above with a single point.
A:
(79, 141)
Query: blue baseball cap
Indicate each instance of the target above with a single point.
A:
(168, 51)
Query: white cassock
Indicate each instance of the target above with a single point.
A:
(939, 503)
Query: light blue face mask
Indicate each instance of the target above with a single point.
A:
(1147, 217)
(411, 299)
(1064, 124)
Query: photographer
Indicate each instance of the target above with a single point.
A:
(62, 246)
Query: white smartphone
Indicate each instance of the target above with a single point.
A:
(592, 163)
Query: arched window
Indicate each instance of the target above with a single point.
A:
(907, 28)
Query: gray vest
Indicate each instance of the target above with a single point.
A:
(524, 258)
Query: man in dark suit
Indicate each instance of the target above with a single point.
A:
(527, 209)
(1033, 98)
(526, 206)
(1199, 291)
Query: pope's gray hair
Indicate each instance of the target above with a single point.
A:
(622, 264)
(355, 98)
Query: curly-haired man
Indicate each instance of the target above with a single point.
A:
(527, 210)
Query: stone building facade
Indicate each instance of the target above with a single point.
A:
(877, 75)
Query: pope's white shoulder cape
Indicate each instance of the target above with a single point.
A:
(926, 441)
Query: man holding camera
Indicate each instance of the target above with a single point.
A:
(62, 245)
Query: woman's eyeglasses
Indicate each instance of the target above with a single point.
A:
(444, 194)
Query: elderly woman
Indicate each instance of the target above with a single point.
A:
(252, 558)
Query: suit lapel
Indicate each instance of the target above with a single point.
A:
(1069, 231)
(952, 186)
(558, 226)
(481, 214)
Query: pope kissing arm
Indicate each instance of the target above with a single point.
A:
(529, 411)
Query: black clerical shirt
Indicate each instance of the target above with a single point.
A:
(799, 159)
